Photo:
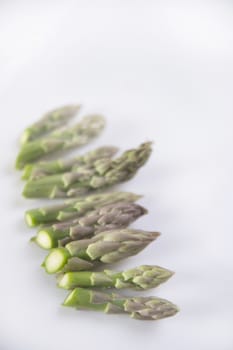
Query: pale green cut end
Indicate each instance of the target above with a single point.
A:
(27, 171)
(30, 220)
(64, 281)
(44, 240)
(56, 260)
(25, 136)
(69, 301)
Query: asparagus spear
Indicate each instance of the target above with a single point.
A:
(112, 216)
(78, 135)
(76, 207)
(37, 170)
(139, 278)
(106, 247)
(141, 308)
(104, 173)
(50, 121)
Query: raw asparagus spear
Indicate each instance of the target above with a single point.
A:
(104, 173)
(78, 135)
(112, 216)
(37, 170)
(139, 278)
(106, 247)
(141, 308)
(50, 121)
(76, 207)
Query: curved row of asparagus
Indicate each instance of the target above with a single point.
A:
(103, 173)
(87, 232)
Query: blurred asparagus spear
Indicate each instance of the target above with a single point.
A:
(104, 173)
(110, 217)
(77, 207)
(50, 121)
(78, 135)
(37, 170)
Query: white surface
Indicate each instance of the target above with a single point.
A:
(159, 70)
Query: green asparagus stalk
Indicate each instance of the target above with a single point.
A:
(141, 308)
(37, 170)
(78, 135)
(50, 121)
(106, 247)
(110, 217)
(74, 208)
(140, 278)
(104, 173)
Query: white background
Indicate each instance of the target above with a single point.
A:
(158, 70)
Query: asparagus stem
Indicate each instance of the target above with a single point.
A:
(104, 173)
(112, 216)
(41, 169)
(78, 135)
(139, 278)
(106, 247)
(76, 207)
(50, 121)
(141, 308)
